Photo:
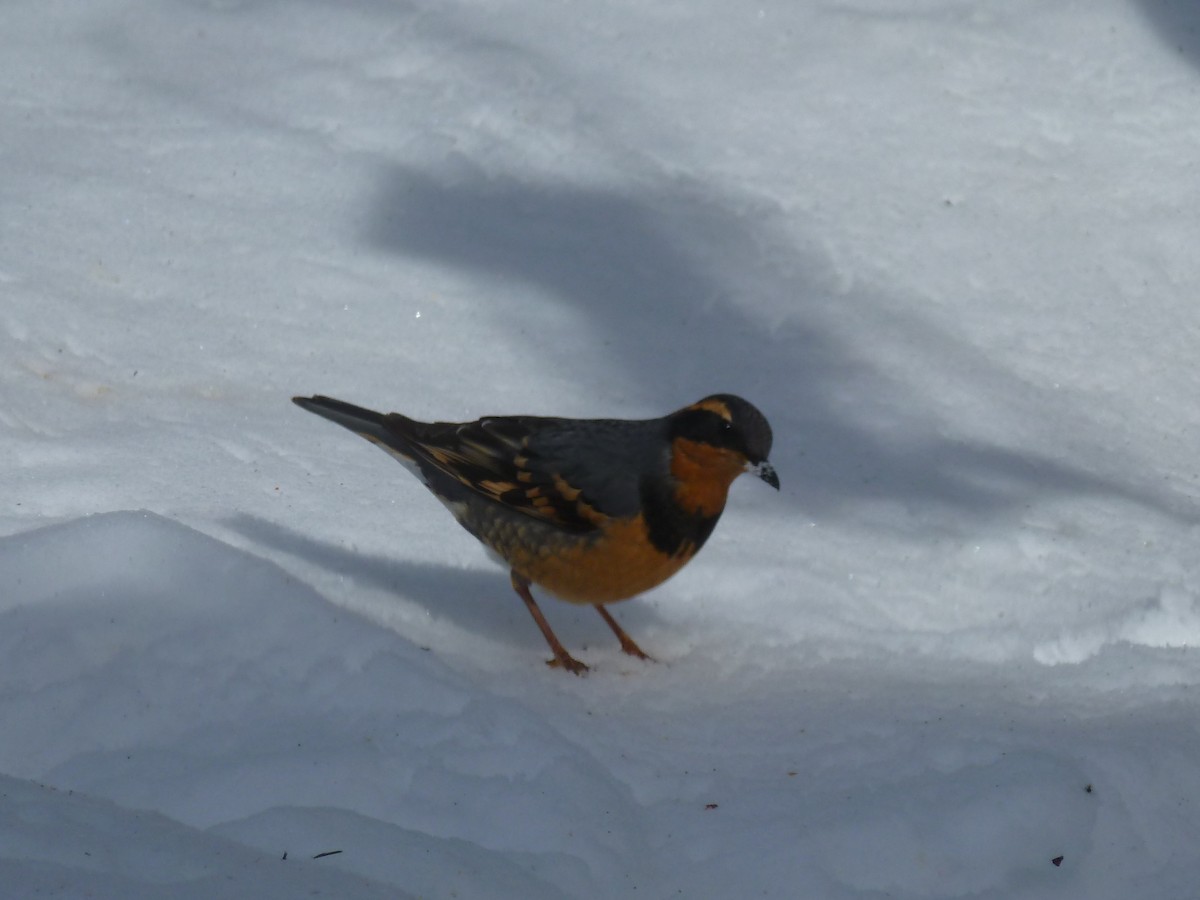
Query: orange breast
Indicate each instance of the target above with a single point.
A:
(703, 474)
(615, 565)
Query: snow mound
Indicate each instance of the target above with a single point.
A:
(162, 669)
(64, 844)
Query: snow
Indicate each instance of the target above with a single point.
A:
(948, 247)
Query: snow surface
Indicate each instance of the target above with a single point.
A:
(948, 246)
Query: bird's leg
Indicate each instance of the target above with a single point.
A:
(627, 643)
(562, 658)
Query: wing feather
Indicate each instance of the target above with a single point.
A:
(494, 458)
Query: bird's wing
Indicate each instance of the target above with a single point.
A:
(575, 474)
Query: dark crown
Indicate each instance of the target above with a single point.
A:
(725, 420)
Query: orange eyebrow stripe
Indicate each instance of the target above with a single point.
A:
(715, 406)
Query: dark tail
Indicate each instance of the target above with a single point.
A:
(366, 422)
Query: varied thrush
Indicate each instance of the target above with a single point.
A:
(592, 510)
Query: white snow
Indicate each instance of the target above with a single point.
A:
(948, 246)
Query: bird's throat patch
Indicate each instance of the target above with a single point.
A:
(703, 474)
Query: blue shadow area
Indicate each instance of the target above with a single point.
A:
(1178, 23)
(665, 280)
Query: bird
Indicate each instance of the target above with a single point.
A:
(592, 511)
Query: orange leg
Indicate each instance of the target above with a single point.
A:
(627, 643)
(562, 658)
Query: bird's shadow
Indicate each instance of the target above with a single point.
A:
(478, 601)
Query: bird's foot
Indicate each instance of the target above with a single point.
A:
(568, 662)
